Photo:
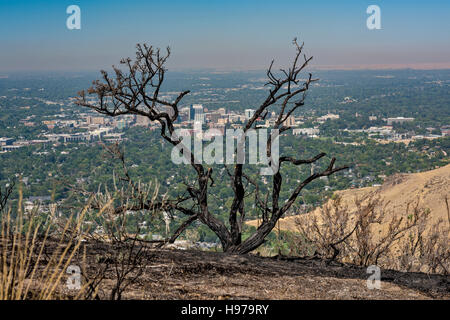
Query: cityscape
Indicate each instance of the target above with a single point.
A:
(88, 127)
(224, 159)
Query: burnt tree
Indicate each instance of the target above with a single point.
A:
(135, 89)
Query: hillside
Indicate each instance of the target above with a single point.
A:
(429, 188)
(191, 274)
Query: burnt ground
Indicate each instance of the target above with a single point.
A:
(177, 274)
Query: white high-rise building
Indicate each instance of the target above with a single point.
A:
(199, 116)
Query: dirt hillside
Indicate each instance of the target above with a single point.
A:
(429, 188)
(175, 274)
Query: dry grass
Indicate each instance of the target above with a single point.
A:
(27, 271)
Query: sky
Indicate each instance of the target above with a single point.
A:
(224, 35)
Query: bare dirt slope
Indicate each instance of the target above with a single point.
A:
(429, 188)
(175, 274)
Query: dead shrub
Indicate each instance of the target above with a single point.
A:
(373, 234)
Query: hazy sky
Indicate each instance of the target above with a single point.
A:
(224, 34)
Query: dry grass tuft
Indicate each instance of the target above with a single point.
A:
(27, 271)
